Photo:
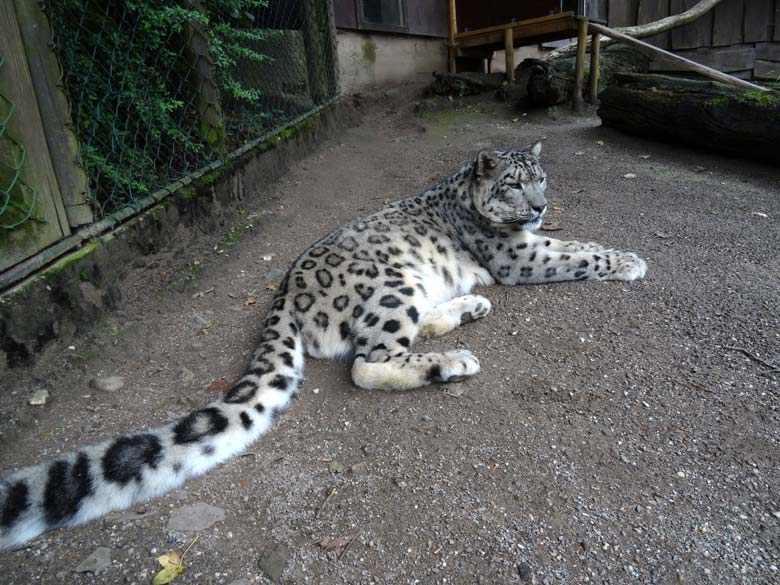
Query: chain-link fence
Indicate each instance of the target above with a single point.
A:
(159, 89)
(17, 200)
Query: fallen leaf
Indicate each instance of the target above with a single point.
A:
(268, 258)
(270, 287)
(579, 153)
(39, 398)
(600, 142)
(644, 156)
(243, 483)
(339, 542)
(198, 295)
(556, 208)
(220, 385)
(249, 302)
(172, 564)
(760, 214)
(551, 226)
(629, 176)
(387, 201)
(699, 169)
(335, 467)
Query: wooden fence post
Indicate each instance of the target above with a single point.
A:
(210, 122)
(55, 112)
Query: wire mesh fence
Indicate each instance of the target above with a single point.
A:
(17, 200)
(160, 89)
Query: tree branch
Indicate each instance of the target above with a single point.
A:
(644, 30)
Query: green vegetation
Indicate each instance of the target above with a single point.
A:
(126, 72)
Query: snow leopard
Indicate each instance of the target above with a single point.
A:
(365, 292)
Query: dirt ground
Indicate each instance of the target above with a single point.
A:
(615, 434)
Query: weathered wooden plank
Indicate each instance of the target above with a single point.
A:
(696, 34)
(728, 59)
(623, 12)
(777, 21)
(769, 70)
(650, 10)
(768, 51)
(727, 23)
(25, 127)
(758, 20)
(63, 144)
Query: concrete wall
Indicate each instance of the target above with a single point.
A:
(367, 59)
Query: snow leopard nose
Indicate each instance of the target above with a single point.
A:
(540, 209)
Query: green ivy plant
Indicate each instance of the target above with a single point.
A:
(126, 75)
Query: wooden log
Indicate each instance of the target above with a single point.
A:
(702, 113)
(541, 83)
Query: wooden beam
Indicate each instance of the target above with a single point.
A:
(544, 20)
(509, 50)
(593, 81)
(662, 54)
(557, 29)
(579, 64)
(453, 32)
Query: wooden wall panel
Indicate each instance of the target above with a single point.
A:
(650, 10)
(727, 23)
(758, 20)
(694, 35)
(623, 12)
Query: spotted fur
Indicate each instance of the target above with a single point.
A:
(365, 291)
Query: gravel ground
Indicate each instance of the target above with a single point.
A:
(615, 434)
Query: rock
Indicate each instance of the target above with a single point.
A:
(241, 581)
(273, 560)
(359, 468)
(107, 384)
(39, 397)
(197, 517)
(98, 561)
(186, 376)
(524, 571)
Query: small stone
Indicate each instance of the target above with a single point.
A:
(197, 517)
(629, 176)
(39, 397)
(359, 468)
(186, 376)
(525, 572)
(98, 561)
(273, 560)
(681, 475)
(107, 384)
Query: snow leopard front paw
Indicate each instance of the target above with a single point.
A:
(627, 266)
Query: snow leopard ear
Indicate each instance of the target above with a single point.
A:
(486, 163)
(536, 149)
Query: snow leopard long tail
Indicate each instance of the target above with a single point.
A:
(132, 468)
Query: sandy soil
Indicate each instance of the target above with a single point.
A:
(614, 435)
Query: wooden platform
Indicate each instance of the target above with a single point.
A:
(482, 42)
